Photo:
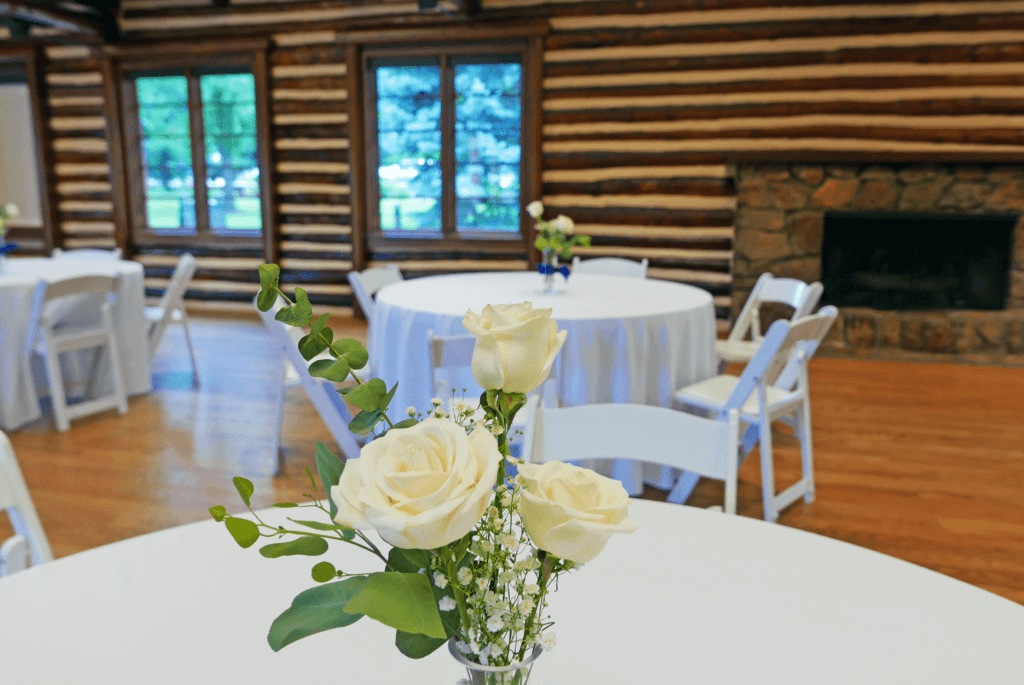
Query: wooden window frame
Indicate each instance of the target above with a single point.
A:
(29, 59)
(529, 51)
(193, 64)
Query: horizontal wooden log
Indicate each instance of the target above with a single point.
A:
(79, 145)
(640, 158)
(313, 167)
(311, 144)
(304, 38)
(75, 227)
(312, 132)
(68, 52)
(75, 100)
(795, 73)
(314, 209)
(698, 202)
(88, 78)
(82, 169)
(310, 118)
(264, 18)
(674, 233)
(661, 253)
(78, 123)
(693, 276)
(162, 4)
(95, 206)
(313, 189)
(315, 264)
(315, 229)
(206, 285)
(824, 13)
(305, 70)
(203, 262)
(446, 265)
(624, 173)
(86, 243)
(746, 98)
(306, 246)
(739, 144)
(643, 187)
(83, 187)
(647, 216)
(757, 47)
(331, 94)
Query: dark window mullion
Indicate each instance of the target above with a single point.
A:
(195, 117)
(447, 147)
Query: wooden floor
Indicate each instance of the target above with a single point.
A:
(922, 462)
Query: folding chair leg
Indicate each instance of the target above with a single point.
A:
(806, 449)
(771, 514)
(90, 385)
(191, 350)
(114, 355)
(58, 398)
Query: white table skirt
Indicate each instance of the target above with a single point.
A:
(20, 384)
(692, 596)
(629, 340)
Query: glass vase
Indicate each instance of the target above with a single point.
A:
(517, 673)
(549, 267)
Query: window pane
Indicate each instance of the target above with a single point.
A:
(488, 112)
(409, 146)
(232, 163)
(166, 153)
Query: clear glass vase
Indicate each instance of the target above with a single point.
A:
(549, 268)
(517, 673)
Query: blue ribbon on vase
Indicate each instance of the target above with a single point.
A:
(7, 247)
(548, 269)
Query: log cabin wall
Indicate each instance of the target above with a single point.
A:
(646, 109)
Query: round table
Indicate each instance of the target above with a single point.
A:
(19, 402)
(691, 596)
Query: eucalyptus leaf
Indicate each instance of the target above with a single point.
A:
(365, 421)
(313, 344)
(332, 369)
(368, 396)
(386, 400)
(285, 505)
(270, 274)
(244, 487)
(401, 600)
(299, 314)
(318, 525)
(417, 646)
(323, 571)
(243, 531)
(304, 546)
(408, 560)
(352, 351)
(314, 611)
(218, 512)
(406, 423)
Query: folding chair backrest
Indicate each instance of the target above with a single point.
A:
(768, 289)
(636, 431)
(610, 266)
(15, 499)
(448, 352)
(173, 298)
(773, 355)
(87, 253)
(367, 282)
(80, 285)
(328, 402)
(789, 376)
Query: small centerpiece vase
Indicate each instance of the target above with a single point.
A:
(516, 673)
(549, 260)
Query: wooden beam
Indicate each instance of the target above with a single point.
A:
(55, 17)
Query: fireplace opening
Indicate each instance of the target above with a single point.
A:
(917, 261)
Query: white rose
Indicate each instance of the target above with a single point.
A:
(571, 511)
(515, 346)
(563, 223)
(535, 209)
(11, 210)
(419, 487)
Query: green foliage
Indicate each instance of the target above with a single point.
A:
(320, 525)
(244, 487)
(285, 505)
(416, 645)
(299, 314)
(243, 531)
(335, 370)
(270, 274)
(330, 469)
(369, 395)
(218, 512)
(400, 600)
(406, 423)
(323, 572)
(351, 351)
(314, 611)
(318, 339)
(305, 546)
(365, 421)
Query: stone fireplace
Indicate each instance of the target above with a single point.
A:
(780, 227)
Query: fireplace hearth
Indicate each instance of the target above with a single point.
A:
(911, 261)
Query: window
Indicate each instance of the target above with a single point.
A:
(444, 143)
(194, 123)
(19, 177)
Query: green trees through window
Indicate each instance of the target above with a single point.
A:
(199, 124)
(448, 143)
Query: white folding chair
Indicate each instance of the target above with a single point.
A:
(768, 289)
(87, 253)
(172, 308)
(29, 541)
(328, 401)
(773, 387)
(610, 266)
(54, 337)
(367, 282)
(655, 434)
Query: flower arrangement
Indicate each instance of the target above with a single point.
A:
(474, 550)
(7, 211)
(557, 235)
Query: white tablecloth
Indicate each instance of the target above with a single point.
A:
(629, 339)
(692, 597)
(19, 396)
